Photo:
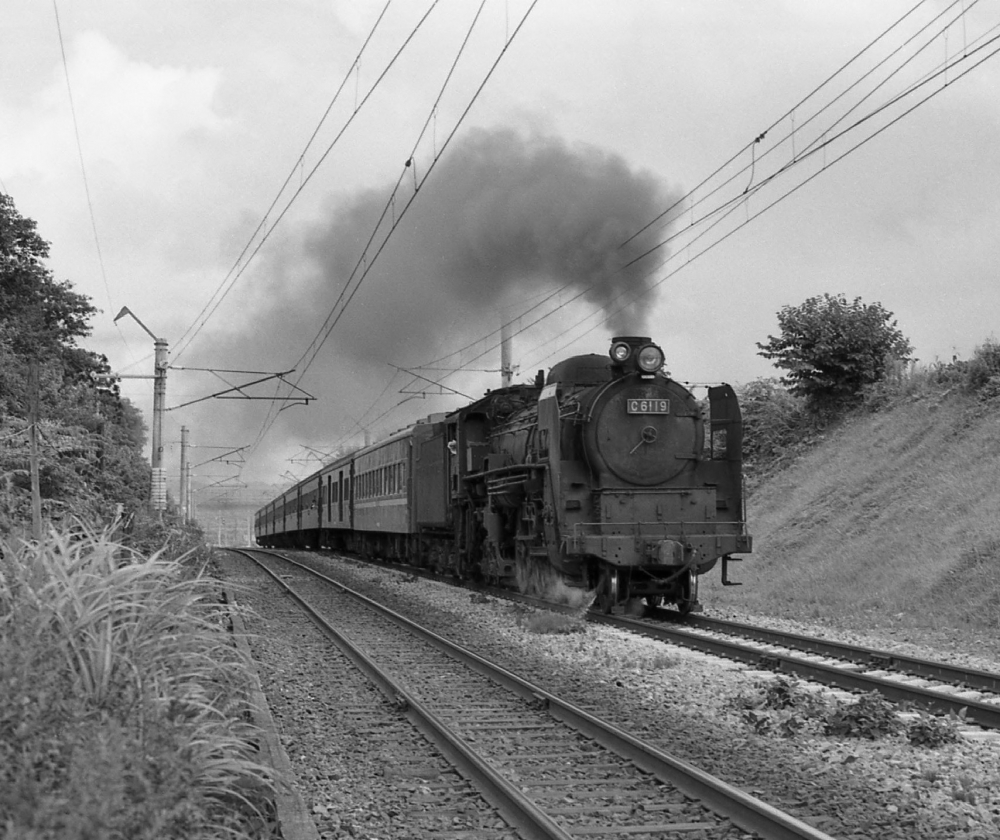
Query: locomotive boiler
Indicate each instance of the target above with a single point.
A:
(606, 477)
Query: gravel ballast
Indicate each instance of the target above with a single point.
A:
(682, 700)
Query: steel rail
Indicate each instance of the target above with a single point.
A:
(746, 811)
(983, 714)
(971, 677)
(516, 808)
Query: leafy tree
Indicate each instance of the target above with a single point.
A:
(91, 462)
(46, 315)
(832, 348)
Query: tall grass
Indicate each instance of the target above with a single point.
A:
(120, 709)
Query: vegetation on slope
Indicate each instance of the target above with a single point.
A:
(886, 513)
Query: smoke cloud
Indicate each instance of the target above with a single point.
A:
(502, 218)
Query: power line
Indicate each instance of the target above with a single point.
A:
(724, 211)
(79, 149)
(237, 270)
(344, 298)
(822, 144)
(773, 125)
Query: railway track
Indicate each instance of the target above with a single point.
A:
(551, 769)
(925, 684)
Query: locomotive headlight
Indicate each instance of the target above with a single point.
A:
(620, 352)
(650, 358)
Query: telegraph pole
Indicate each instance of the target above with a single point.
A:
(185, 518)
(158, 488)
(506, 366)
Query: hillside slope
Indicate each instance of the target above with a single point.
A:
(893, 519)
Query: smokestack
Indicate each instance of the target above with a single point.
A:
(506, 369)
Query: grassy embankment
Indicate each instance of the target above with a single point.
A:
(891, 519)
(122, 711)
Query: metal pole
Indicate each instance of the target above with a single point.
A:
(159, 488)
(506, 368)
(183, 495)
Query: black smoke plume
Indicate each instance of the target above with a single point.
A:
(501, 219)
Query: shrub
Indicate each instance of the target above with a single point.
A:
(122, 714)
(982, 371)
(831, 348)
(773, 419)
(932, 731)
(870, 716)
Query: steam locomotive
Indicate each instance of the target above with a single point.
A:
(606, 477)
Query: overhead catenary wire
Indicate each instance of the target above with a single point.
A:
(365, 263)
(711, 221)
(330, 321)
(238, 269)
(994, 42)
(797, 157)
(198, 323)
(83, 165)
(724, 211)
(740, 173)
(776, 123)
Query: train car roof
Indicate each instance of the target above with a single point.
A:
(357, 453)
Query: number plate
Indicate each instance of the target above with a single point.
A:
(647, 406)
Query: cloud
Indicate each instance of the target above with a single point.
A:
(138, 119)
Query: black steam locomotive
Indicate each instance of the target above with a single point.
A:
(606, 477)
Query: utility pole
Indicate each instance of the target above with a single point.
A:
(183, 495)
(33, 418)
(158, 488)
(506, 366)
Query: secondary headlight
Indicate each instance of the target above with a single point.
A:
(650, 358)
(620, 351)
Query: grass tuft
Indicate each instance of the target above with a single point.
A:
(119, 681)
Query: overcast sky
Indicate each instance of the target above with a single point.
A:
(524, 186)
